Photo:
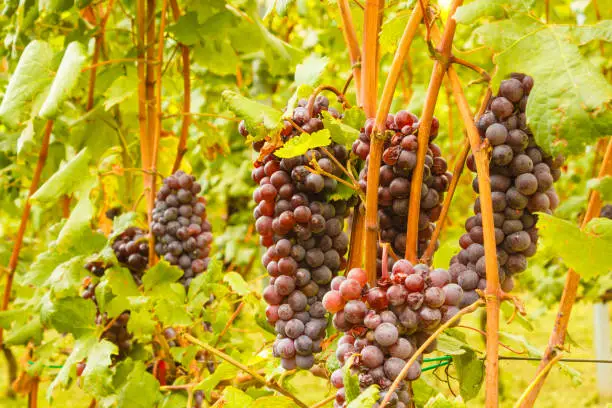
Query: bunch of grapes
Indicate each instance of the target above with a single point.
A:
(303, 233)
(522, 177)
(398, 162)
(131, 248)
(182, 233)
(117, 333)
(385, 325)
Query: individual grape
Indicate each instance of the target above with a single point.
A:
(386, 334)
(372, 356)
(402, 349)
(496, 134)
(350, 289)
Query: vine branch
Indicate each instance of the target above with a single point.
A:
(255, 375)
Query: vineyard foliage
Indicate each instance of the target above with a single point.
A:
(84, 313)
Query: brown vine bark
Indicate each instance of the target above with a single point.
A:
(568, 298)
(182, 145)
(369, 94)
(350, 37)
(437, 75)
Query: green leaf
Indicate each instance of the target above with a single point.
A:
(470, 371)
(172, 313)
(423, 391)
(31, 331)
(66, 180)
(354, 117)
(184, 355)
(141, 324)
(340, 133)
(342, 192)
(72, 315)
(186, 29)
(237, 283)
(351, 383)
(68, 371)
(281, 6)
(603, 185)
(440, 401)
(124, 221)
(568, 107)
(309, 72)
(508, 311)
(97, 375)
(140, 390)
(31, 76)
(586, 251)
(235, 398)
(67, 277)
(225, 371)
(304, 142)
(366, 399)
(255, 114)
(78, 225)
(471, 12)
(160, 274)
(273, 402)
(7, 317)
(65, 80)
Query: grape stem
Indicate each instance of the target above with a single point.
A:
(398, 380)
(481, 71)
(457, 170)
(437, 75)
(324, 402)
(377, 137)
(537, 381)
(270, 384)
(568, 298)
(321, 88)
(229, 323)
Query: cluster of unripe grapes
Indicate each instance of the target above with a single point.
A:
(303, 233)
(384, 325)
(182, 232)
(399, 160)
(522, 177)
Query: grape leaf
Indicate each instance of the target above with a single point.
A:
(7, 317)
(586, 251)
(440, 401)
(340, 133)
(65, 80)
(304, 142)
(351, 383)
(31, 76)
(141, 324)
(79, 352)
(71, 314)
(469, 13)
(423, 391)
(121, 282)
(281, 6)
(78, 224)
(342, 192)
(235, 398)
(354, 117)
(67, 277)
(225, 371)
(603, 185)
(185, 30)
(124, 221)
(31, 331)
(470, 371)
(97, 377)
(255, 114)
(509, 312)
(140, 389)
(310, 70)
(392, 30)
(161, 273)
(568, 105)
(172, 313)
(237, 283)
(366, 399)
(66, 180)
(273, 402)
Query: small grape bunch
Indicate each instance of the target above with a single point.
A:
(399, 160)
(131, 248)
(385, 324)
(118, 332)
(522, 176)
(182, 233)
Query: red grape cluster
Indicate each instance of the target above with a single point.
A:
(385, 325)
(522, 177)
(131, 248)
(182, 232)
(117, 333)
(398, 162)
(303, 232)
